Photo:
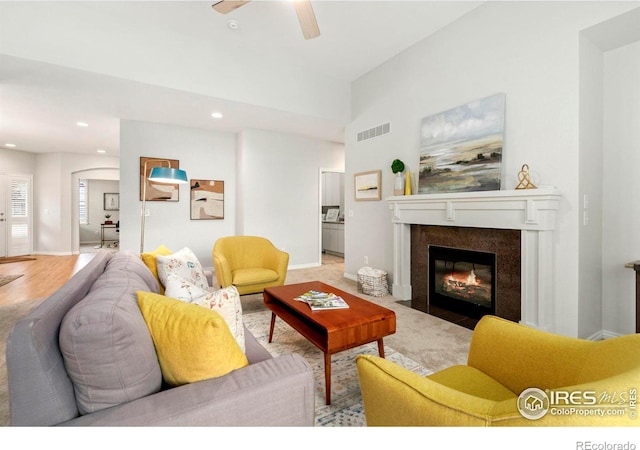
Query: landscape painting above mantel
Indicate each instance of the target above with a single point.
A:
(461, 148)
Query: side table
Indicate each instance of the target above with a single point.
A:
(102, 228)
(636, 266)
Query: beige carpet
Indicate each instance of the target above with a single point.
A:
(426, 340)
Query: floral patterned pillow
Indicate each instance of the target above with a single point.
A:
(225, 302)
(183, 265)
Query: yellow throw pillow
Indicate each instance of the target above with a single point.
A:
(193, 343)
(149, 259)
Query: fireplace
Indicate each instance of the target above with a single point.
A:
(462, 281)
(516, 225)
(494, 255)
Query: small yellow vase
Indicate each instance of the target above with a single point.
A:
(407, 185)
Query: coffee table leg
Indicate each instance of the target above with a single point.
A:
(380, 348)
(327, 377)
(273, 322)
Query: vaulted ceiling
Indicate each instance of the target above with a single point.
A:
(177, 62)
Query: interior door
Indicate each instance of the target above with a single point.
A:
(18, 222)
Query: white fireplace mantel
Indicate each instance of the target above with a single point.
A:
(533, 211)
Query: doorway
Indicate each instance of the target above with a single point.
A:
(91, 230)
(331, 223)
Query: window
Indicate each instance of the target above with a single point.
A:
(83, 202)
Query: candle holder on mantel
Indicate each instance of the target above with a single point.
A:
(524, 179)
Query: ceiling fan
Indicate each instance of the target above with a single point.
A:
(304, 10)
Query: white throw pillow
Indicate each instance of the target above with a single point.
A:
(182, 289)
(183, 265)
(226, 302)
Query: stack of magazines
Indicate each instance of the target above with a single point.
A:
(322, 300)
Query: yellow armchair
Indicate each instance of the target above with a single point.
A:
(250, 263)
(579, 378)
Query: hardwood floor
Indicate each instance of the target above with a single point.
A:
(41, 277)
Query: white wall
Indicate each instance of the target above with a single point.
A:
(590, 188)
(17, 162)
(56, 228)
(207, 155)
(528, 50)
(277, 197)
(280, 189)
(621, 192)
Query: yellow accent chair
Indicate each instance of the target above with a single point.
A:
(505, 359)
(250, 263)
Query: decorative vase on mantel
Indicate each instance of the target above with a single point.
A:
(398, 187)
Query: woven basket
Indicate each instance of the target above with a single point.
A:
(372, 282)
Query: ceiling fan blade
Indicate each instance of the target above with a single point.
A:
(226, 6)
(307, 19)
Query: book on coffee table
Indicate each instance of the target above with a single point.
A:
(318, 300)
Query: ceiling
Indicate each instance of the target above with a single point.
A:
(42, 99)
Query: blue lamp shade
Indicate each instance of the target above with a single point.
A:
(168, 175)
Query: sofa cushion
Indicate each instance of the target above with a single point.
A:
(149, 259)
(106, 346)
(193, 343)
(183, 265)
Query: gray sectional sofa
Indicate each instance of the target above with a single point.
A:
(109, 374)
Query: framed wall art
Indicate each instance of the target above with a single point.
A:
(111, 201)
(367, 185)
(158, 192)
(207, 199)
(461, 148)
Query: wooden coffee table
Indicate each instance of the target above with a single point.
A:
(334, 330)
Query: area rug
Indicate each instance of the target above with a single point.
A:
(10, 259)
(346, 408)
(6, 279)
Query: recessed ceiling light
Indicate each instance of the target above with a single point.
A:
(9, 145)
(217, 115)
(82, 124)
(233, 24)
(101, 151)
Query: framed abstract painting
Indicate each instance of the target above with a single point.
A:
(461, 148)
(207, 199)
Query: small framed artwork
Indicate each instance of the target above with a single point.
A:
(111, 201)
(332, 215)
(158, 192)
(207, 199)
(367, 185)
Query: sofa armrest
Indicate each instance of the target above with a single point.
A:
(274, 392)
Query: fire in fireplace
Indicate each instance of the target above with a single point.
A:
(462, 281)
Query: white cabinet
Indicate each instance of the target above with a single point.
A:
(333, 189)
(333, 238)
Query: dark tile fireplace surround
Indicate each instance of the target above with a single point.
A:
(505, 244)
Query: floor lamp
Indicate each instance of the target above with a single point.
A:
(160, 174)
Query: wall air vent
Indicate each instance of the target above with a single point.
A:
(371, 133)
